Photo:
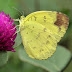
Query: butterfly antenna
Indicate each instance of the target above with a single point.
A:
(30, 10)
(23, 13)
(17, 10)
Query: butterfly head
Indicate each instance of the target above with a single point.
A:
(22, 18)
(21, 21)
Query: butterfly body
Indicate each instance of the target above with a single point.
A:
(41, 31)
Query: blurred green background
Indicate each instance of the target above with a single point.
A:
(11, 7)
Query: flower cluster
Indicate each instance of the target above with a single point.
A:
(7, 32)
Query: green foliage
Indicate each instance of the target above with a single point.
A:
(53, 64)
(3, 58)
(18, 39)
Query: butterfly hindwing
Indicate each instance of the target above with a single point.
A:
(38, 41)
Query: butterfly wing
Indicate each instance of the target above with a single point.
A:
(56, 22)
(38, 41)
(41, 31)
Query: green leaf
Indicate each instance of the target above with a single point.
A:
(69, 68)
(3, 58)
(18, 39)
(53, 64)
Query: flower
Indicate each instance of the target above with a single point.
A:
(7, 32)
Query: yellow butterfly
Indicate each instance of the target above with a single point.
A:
(41, 31)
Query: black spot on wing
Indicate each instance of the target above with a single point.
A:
(47, 42)
(35, 18)
(34, 47)
(49, 36)
(59, 29)
(38, 36)
(44, 18)
(27, 33)
(33, 26)
(41, 50)
(44, 29)
(31, 18)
